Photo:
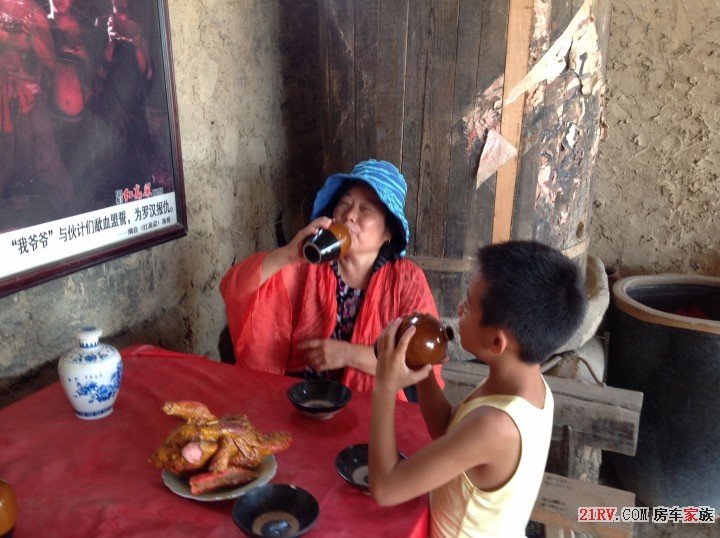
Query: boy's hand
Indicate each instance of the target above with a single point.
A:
(392, 373)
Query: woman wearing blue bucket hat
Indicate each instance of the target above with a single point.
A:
(291, 317)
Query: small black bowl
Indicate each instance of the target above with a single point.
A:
(319, 398)
(275, 510)
(352, 464)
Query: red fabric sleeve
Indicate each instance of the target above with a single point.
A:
(254, 347)
(294, 304)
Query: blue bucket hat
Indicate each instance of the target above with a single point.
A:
(385, 179)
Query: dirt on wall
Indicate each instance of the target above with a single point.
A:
(656, 199)
(230, 81)
(657, 195)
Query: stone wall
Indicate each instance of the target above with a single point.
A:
(657, 194)
(241, 141)
(245, 74)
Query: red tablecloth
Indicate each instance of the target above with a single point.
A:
(81, 478)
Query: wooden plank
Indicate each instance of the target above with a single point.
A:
(560, 17)
(324, 66)
(516, 67)
(480, 60)
(461, 181)
(536, 121)
(445, 287)
(337, 20)
(392, 51)
(437, 116)
(366, 62)
(560, 131)
(601, 417)
(445, 265)
(417, 39)
(468, 264)
(303, 110)
(491, 66)
(562, 205)
(556, 532)
(560, 497)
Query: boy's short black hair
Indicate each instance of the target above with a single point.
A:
(533, 291)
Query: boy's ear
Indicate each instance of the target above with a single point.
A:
(500, 342)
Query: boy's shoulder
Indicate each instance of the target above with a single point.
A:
(485, 410)
(483, 422)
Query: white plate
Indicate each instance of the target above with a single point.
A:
(181, 486)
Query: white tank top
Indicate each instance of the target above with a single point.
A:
(460, 510)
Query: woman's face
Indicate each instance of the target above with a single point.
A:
(363, 213)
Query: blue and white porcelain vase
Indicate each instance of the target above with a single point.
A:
(90, 374)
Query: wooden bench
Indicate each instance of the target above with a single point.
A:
(598, 416)
(560, 497)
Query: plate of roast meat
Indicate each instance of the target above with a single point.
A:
(210, 458)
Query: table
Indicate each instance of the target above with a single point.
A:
(81, 478)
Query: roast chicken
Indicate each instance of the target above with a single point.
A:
(214, 452)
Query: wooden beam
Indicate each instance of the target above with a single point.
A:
(560, 497)
(468, 265)
(444, 265)
(517, 55)
(600, 416)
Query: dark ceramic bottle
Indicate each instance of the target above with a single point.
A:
(429, 343)
(328, 244)
(8, 509)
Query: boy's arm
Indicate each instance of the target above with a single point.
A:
(391, 376)
(383, 453)
(436, 409)
(484, 440)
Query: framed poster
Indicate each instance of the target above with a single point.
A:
(90, 163)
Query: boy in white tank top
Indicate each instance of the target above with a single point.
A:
(484, 467)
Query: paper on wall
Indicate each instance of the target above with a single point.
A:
(496, 152)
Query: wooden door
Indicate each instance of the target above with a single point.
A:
(420, 83)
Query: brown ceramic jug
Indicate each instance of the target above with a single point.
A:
(328, 244)
(429, 343)
(8, 509)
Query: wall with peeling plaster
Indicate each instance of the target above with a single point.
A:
(656, 199)
(231, 78)
(657, 194)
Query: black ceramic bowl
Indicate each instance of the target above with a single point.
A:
(319, 398)
(352, 464)
(277, 510)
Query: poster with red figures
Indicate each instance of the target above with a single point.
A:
(90, 164)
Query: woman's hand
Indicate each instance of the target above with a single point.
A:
(292, 252)
(333, 354)
(326, 354)
(392, 373)
(296, 243)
